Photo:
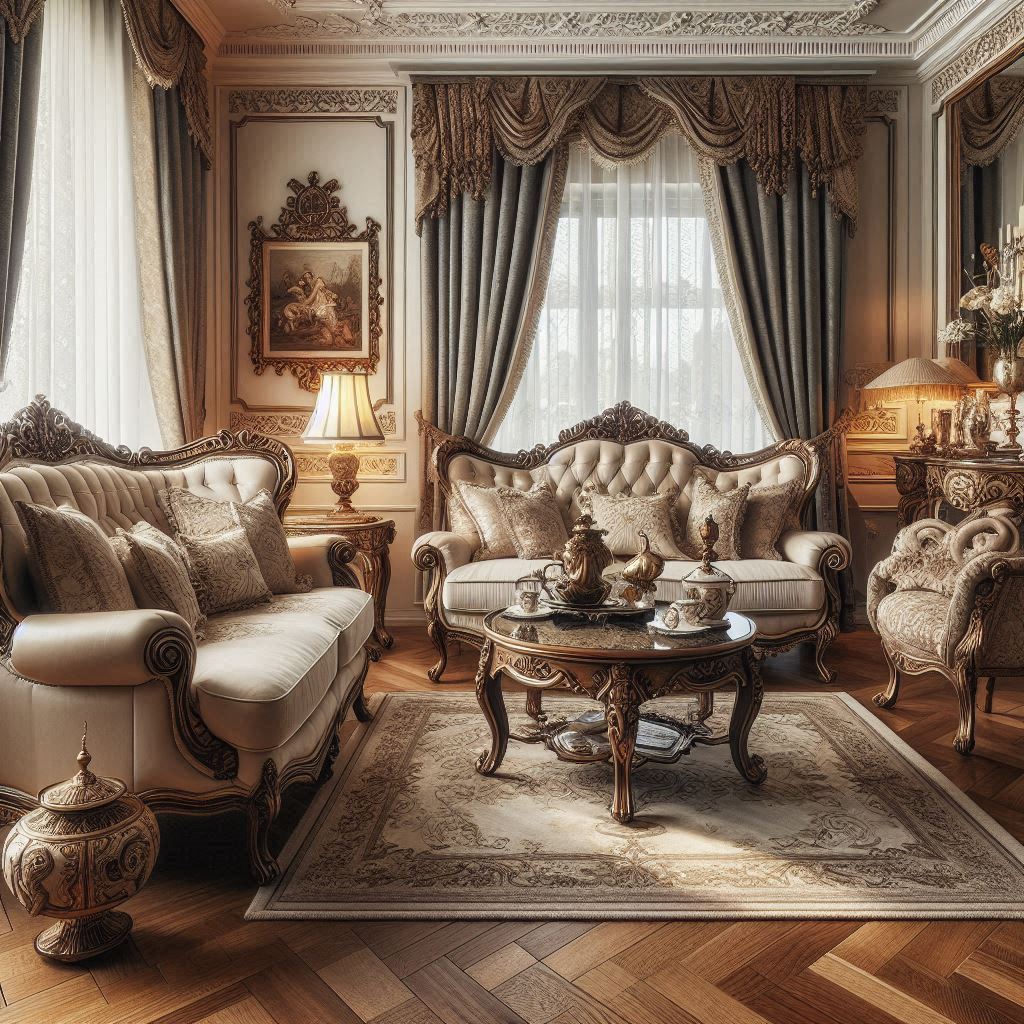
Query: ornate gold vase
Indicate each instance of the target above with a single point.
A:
(1008, 373)
(579, 573)
(89, 846)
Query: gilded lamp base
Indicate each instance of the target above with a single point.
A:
(344, 465)
(84, 937)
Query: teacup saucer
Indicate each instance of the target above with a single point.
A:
(684, 628)
(513, 611)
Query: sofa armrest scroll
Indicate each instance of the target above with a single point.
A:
(442, 550)
(326, 558)
(817, 549)
(973, 602)
(126, 648)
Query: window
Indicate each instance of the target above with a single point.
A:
(77, 333)
(634, 310)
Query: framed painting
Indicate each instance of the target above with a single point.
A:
(314, 298)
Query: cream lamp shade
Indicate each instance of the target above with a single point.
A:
(917, 379)
(344, 415)
(959, 369)
(343, 411)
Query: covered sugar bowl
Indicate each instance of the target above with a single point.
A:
(707, 589)
(88, 847)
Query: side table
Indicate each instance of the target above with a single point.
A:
(925, 482)
(373, 539)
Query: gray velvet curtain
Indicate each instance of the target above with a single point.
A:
(789, 253)
(20, 65)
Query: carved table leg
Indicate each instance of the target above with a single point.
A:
(749, 693)
(622, 707)
(492, 703)
(888, 698)
(376, 577)
(534, 704)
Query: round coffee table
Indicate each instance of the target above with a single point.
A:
(621, 664)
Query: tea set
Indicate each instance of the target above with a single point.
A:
(575, 583)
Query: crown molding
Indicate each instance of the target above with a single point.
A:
(198, 14)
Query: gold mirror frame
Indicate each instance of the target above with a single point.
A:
(951, 108)
(313, 214)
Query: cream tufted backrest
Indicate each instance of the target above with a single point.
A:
(114, 496)
(636, 467)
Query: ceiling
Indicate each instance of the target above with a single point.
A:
(897, 32)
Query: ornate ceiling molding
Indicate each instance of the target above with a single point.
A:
(375, 20)
(984, 50)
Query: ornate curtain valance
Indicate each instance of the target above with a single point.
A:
(766, 120)
(19, 16)
(990, 119)
(170, 52)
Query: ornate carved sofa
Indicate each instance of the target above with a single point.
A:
(625, 450)
(224, 724)
(950, 599)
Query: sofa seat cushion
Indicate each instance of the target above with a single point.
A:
(761, 584)
(914, 617)
(261, 672)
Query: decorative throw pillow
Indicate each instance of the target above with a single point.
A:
(626, 516)
(192, 515)
(459, 519)
(726, 507)
(258, 517)
(157, 571)
(769, 509)
(535, 521)
(483, 505)
(73, 567)
(224, 571)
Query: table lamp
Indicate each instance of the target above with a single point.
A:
(920, 380)
(343, 414)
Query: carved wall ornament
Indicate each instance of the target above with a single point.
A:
(883, 101)
(313, 101)
(282, 424)
(313, 214)
(982, 51)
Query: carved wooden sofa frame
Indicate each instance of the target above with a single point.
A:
(40, 434)
(624, 423)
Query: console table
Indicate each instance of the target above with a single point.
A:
(964, 483)
(373, 540)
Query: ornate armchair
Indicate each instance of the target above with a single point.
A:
(950, 599)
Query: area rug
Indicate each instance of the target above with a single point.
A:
(851, 823)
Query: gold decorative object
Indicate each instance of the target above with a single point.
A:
(581, 566)
(709, 589)
(641, 572)
(920, 380)
(1008, 373)
(344, 414)
(311, 235)
(90, 846)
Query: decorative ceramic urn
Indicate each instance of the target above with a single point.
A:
(708, 590)
(89, 846)
(580, 570)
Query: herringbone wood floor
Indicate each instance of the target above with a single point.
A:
(193, 960)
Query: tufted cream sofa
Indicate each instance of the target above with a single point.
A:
(226, 723)
(625, 450)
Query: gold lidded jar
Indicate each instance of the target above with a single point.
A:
(87, 848)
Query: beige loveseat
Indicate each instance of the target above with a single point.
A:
(625, 450)
(195, 728)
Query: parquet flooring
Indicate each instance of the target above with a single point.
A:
(193, 959)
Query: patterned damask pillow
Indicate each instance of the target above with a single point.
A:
(769, 508)
(224, 571)
(535, 521)
(728, 509)
(73, 567)
(157, 571)
(192, 515)
(626, 516)
(483, 505)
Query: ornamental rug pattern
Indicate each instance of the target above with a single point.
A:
(850, 823)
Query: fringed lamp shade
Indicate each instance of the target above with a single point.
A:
(916, 380)
(959, 369)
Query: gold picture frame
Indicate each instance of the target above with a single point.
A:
(315, 291)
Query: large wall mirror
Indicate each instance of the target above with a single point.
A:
(985, 153)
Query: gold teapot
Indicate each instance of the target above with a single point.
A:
(641, 571)
(578, 576)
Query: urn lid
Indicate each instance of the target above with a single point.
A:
(85, 790)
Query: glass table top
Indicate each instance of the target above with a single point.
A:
(572, 633)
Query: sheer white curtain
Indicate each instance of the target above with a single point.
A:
(634, 310)
(77, 334)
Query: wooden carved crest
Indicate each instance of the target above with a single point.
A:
(312, 214)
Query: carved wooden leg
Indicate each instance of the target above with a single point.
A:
(622, 710)
(534, 703)
(327, 769)
(264, 804)
(749, 693)
(887, 699)
(439, 635)
(363, 713)
(822, 641)
(492, 703)
(990, 689)
(967, 692)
